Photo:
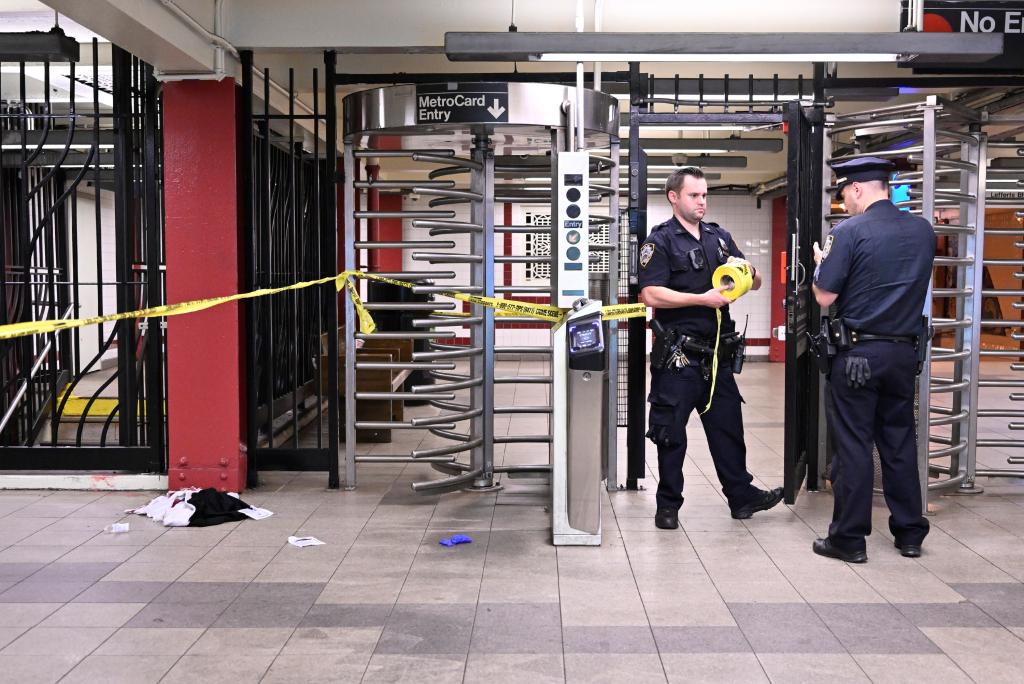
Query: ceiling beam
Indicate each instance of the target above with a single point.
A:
(917, 48)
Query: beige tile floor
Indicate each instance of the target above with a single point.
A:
(719, 600)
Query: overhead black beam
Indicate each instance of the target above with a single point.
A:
(610, 77)
(910, 81)
(730, 144)
(913, 47)
(38, 46)
(739, 87)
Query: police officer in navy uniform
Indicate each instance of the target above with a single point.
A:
(875, 267)
(676, 264)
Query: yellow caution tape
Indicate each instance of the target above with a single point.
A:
(737, 277)
(343, 280)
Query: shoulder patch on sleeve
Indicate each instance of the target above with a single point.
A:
(646, 252)
(828, 245)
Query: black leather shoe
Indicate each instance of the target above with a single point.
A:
(823, 547)
(666, 519)
(763, 502)
(908, 550)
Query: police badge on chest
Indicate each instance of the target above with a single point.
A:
(723, 250)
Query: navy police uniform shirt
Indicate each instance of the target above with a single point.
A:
(673, 258)
(880, 264)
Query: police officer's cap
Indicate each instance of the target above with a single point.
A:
(860, 170)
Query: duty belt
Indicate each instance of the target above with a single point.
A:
(868, 337)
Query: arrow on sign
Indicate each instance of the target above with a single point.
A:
(496, 109)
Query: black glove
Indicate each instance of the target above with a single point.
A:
(858, 371)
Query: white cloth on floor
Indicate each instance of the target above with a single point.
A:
(172, 509)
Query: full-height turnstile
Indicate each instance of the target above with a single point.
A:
(481, 145)
(947, 147)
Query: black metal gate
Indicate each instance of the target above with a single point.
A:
(803, 206)
(82, 235)
(291, 338)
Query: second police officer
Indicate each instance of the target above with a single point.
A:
(875, 267)
(675, 277)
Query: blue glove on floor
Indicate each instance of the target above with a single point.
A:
(456, 539)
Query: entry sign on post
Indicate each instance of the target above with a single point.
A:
(462, 103)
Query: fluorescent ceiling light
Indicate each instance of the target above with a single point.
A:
(737, 57)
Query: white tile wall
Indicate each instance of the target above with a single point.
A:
(751, 228)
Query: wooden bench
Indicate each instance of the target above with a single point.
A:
(372, 380)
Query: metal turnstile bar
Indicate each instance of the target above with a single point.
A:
(446, 450)
(1000, 413)
(450, 405)
(524, 379)
(453, 161)
(948, 451)
(402, 365)
(415, 275)
(365, 154)
(424, 244)
(943, 323)
(1000, 383)
(434, 289)
(522, 409)
(444, 387)
(452, 321)
(402, 185)
(395, 425)
(944, 388)
(402, 396)
(525, 289)
(399, 458)
(439, 421)
(405, 335)
(949, 420)
(522, 439)
(463, 353)
(425, 189)
(409, 306)
(1001, 443)
(420, 214)
(441, 258)
(520, 259)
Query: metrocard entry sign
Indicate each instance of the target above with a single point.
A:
(462, 103)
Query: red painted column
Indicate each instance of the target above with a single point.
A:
(205, 406)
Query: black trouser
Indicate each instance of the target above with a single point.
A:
(675, 393)
(881, 413)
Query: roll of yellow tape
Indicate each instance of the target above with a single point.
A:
(737, 276)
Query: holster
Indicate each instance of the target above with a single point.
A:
(821, 346)
(839, 335)
(663, 346)
(733, 349)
